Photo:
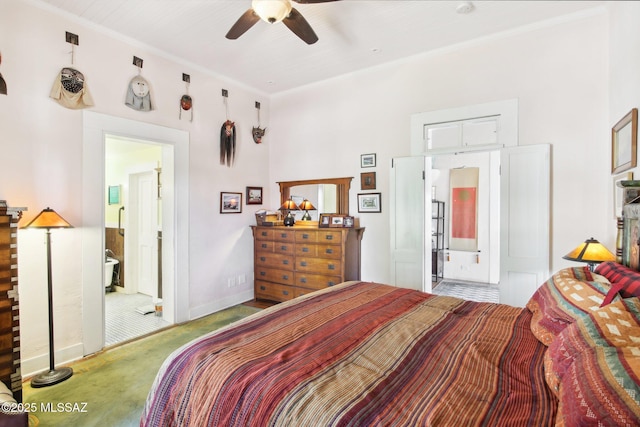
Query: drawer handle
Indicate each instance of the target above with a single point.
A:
(303, 263)
(283, 248)
(331, 284)
(329, 237)
(262, 288)
(303, 280)
(305, 236)
(285, 292)
(331, 267)
(285, 262)
(263, 259)
(283, 235)
(263, 273)
(264, 233)
(285, 277)
(305, 249)
(329, 251)
(264, 246)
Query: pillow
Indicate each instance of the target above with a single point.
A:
(602, 387)
(624, 280)
(567, 295)
(615, 325)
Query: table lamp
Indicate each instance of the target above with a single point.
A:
(592, 252)
(288, 206)
(306, 206)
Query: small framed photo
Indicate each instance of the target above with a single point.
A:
(230, 202)
(325, 221)
(368, 181)
(349, 222)
(337, 221)
(624, 142)
(368, 160)
(254, 195)
(369, 202)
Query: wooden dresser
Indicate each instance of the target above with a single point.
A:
(293, 261)
(10, 373)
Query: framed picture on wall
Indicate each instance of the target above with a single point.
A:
(254, 195)
(230, 202)
(624, 142)
(368, 181)
(367, 160)
(369, 202)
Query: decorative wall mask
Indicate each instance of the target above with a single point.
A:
(70, 89)
(139, 94)
(227, 143)
(186, 103)
(256, 132)
(3, 84)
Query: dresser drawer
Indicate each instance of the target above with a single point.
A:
(328, 236)
(273, 291)
(319, 265)
(264, 234)
(316, 281)
(274, 275)
(306, 236)
(284, 236)
(272, 260)
(319, 250)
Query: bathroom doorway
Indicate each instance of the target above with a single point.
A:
(175, 214)
(133, 233)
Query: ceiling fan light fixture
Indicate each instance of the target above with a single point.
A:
(271, 10)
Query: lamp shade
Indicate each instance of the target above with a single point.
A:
(306, 205)
(48, 218)
(590, 251)
(289, 205)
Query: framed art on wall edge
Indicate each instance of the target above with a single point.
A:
(254, 195)
(624, 142)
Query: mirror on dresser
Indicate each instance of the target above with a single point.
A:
(328, 195)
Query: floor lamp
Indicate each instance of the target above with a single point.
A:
(49, 219)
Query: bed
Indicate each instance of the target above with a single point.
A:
(372, 354)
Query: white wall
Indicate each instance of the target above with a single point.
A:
(557, 73)
(41, 148)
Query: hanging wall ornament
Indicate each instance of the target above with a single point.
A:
(139, 91)
(3, 84)
(70, 88)
(227, 143)
(256, 131)
(186, 102)
(227, 136)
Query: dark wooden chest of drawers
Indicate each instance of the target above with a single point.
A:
(10, 373)
(292, 261)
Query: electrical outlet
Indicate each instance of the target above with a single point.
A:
(231, 282)
(242, 279)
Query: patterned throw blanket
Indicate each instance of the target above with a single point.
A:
(360, 354)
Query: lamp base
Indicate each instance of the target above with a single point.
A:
(51, 377)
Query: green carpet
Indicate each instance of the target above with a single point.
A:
(109, 389)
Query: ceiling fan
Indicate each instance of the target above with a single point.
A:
(275, 11)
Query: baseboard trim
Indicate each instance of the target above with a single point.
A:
(35, 365)
(220, 304)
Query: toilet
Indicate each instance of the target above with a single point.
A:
(109, 265)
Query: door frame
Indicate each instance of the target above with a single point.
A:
(175, 145)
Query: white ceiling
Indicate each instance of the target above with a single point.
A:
(354, 34)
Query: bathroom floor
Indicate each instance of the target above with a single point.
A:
(122, 320)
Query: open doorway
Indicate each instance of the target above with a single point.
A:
(175, 224)
(133, 233)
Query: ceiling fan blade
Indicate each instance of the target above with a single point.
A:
(312, 1)
(300, 27)
(246, 21)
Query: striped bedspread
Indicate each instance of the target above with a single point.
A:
(360, 354)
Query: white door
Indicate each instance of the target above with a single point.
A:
(409, 259)
(142, 233)
(524, 213)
